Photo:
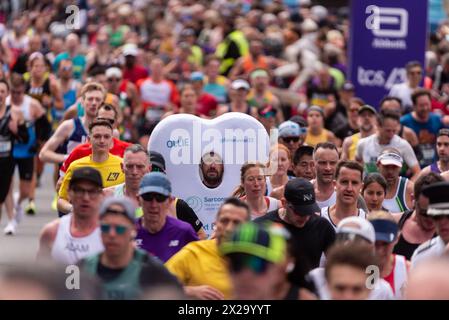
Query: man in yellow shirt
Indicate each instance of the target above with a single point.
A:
(109, 165)
(199, 265)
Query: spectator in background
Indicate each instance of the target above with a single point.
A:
(404, 90)
(425, 124)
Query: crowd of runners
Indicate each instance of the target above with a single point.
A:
(356, 208)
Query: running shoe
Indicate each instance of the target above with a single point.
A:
(10, 229)
(31, 208)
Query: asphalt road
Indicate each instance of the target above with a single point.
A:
(22, 247)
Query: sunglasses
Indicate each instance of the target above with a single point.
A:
(239, 262)
(150, 196)
(114, 79)
(111, 121)
(290, 139)
(118, 229)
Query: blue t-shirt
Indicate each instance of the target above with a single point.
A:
(427, 136)
(174, 235)
(78, 61)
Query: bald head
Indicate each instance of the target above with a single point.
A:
(429, 280)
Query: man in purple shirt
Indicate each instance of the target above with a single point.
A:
(157, 232)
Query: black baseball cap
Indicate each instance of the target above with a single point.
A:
(300, 196)
(87, 174)
(157, 160)
(367, 107)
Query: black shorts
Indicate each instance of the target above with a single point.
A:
(7, 168)
(26, 168)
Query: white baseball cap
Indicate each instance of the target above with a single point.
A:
(240, 84)
(130, 49)
(390, 157)
(357, 226)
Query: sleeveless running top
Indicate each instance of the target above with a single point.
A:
(68, 249)
(325, 214)
(353, 147)
(403, 247)
(329, 202)
(119, 191)
(397, 203)
(398, 276)
(248, 110)
(77, 137)
(25, 150)
(434, 167)
(6, 136)
(312, 140)
(127, 285)
(38, 93)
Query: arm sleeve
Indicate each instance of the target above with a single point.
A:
(22, 133)
(185, 213)
(43, 128)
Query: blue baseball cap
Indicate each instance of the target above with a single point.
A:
(196, 76)
(156, 182)
(385, 230)
(289, 129)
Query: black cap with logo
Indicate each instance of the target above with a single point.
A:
(87, 174)
(300, 197)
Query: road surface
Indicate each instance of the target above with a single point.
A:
(23, 246)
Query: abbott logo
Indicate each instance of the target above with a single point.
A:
(387, 22)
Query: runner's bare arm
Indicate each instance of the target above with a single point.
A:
(345, 148)
(56, 93)
(48, 153)
(415, 172)
(46, 240)
(64, 206)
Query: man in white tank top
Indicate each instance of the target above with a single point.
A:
(325, 157)
(399, 189)
(76, 235)
(348, 183)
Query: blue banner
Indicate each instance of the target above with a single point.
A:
(385, 35)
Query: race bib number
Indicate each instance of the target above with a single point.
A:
(5, 146)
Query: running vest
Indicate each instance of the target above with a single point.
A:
(325, 214)
(68, 249)
(6, 136)
(267, 98)
(397, 203)
(398, 276)
(312, 140)
(329, 202)
(38, 93)
(434, 168)
(119, 191)
(249, 64)
(403, 247)
(352, 150)
(127, 285)
(78, 136)
(25, 150)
